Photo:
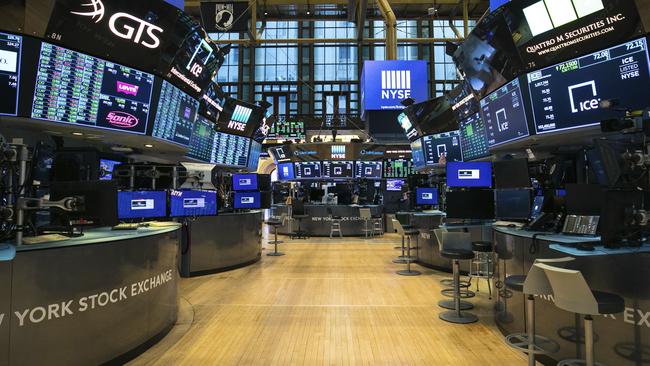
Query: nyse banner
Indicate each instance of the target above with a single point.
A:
(545, 34)
(135, 33)
(385, 84)
(225, 16)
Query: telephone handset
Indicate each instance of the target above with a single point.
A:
(547, 221)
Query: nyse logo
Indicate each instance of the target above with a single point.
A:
(240, 118)
(590, 103)
(395, 84)
(469, 174)
(124, 25)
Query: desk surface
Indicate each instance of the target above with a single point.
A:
(552, 237)
(599, 250)
(97, 236)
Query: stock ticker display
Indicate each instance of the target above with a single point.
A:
(504, 114)
(473, 140)
(201, 141)
(338, 169)
(368, 169)
(445, 144)
(567, 95)
(75, 88)
(287, 129)
(175, 115)
(307, 169)
(399, 168)
(10, 52)
(214, 147)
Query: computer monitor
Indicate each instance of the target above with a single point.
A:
(584, 199)
(244, 182)
(106, 167)
(470, 205)
(513, 204)
(286, 171)
(247, 200)
(394, 185)
(469, 174)
(192, 203)
(100, 201)
(426, 196)
(141, 204)
(511, 174)
(538, 205)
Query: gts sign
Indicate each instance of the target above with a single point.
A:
(124, 25)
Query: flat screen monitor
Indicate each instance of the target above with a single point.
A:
(247, 200)
(75, 88)
(394, 185)
(368, 169)
(426, 196)
(202, 140)
(175, 115)
(281, 153)
(307, 170)
(11, 52)
(504, 114)
(470, 205)
(100, 201)
(286, 129)
(230, 150)
(538, 206)
(404, 121)
(398, 168)
(513, 204)
(445, 145)
(192, 203)
(469, 174)
(566, 96)
(432, 116)
(417, 153)
(254, 156)
(584, 199)
(106, 168)
(511, 174)
(338, 169)
(285, 171)
(462, 101)
(473, 138)
(141, 204)
(239, 118)
(244, 182)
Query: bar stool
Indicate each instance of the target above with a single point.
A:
(274, 223)
(457, 247)
(402, 259)
(298, 213)
(365, 215)
(335, 223)
(482, 267)
(408, 234)
(572, 293)
(377, 225)
(449, 282)
(533, 284)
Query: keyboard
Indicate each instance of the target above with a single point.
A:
(509, 224)
(125, 226)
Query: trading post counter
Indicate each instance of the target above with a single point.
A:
(101, 297)
(317, 222)
(622, 339)
(219, 243)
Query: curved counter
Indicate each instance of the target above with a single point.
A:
(220, 243)
(622, 339)
(318, 222)
(89, 300)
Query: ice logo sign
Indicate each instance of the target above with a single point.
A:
(502, 120)
(584, 105)
(395, 84)
(124, 25)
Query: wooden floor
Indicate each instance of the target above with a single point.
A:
(327, 302)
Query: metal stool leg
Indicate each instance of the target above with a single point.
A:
(408, 271)
(275, 253)
(456, 315)
(402, 258)
(529, 342)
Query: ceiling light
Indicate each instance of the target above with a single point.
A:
(77, 133)
(148, 146)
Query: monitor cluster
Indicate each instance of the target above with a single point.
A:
(347, 169)
(135, 205)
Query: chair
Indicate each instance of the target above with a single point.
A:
(572, 293)
(335, 223)
(408, 234)
(533, 284)
(298, 213)
(456, 246)
(482, 267)
(449, 282)
(377, 224)
(275, 223)
(366, 216)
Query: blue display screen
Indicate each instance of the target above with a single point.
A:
(394, 185)
(426, 196)
(285, 171)
(244, 182)
(106, 168)
(385, 84)
(141, 204)
(192, 203)
(417, 153)
(469, 174)
(247, 200)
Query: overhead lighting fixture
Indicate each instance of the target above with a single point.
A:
(149, 146)
(78, 133)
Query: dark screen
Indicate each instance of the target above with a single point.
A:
(100, 200)
(470, 205)
(513, 204)
(511, 174)
(584, 199)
